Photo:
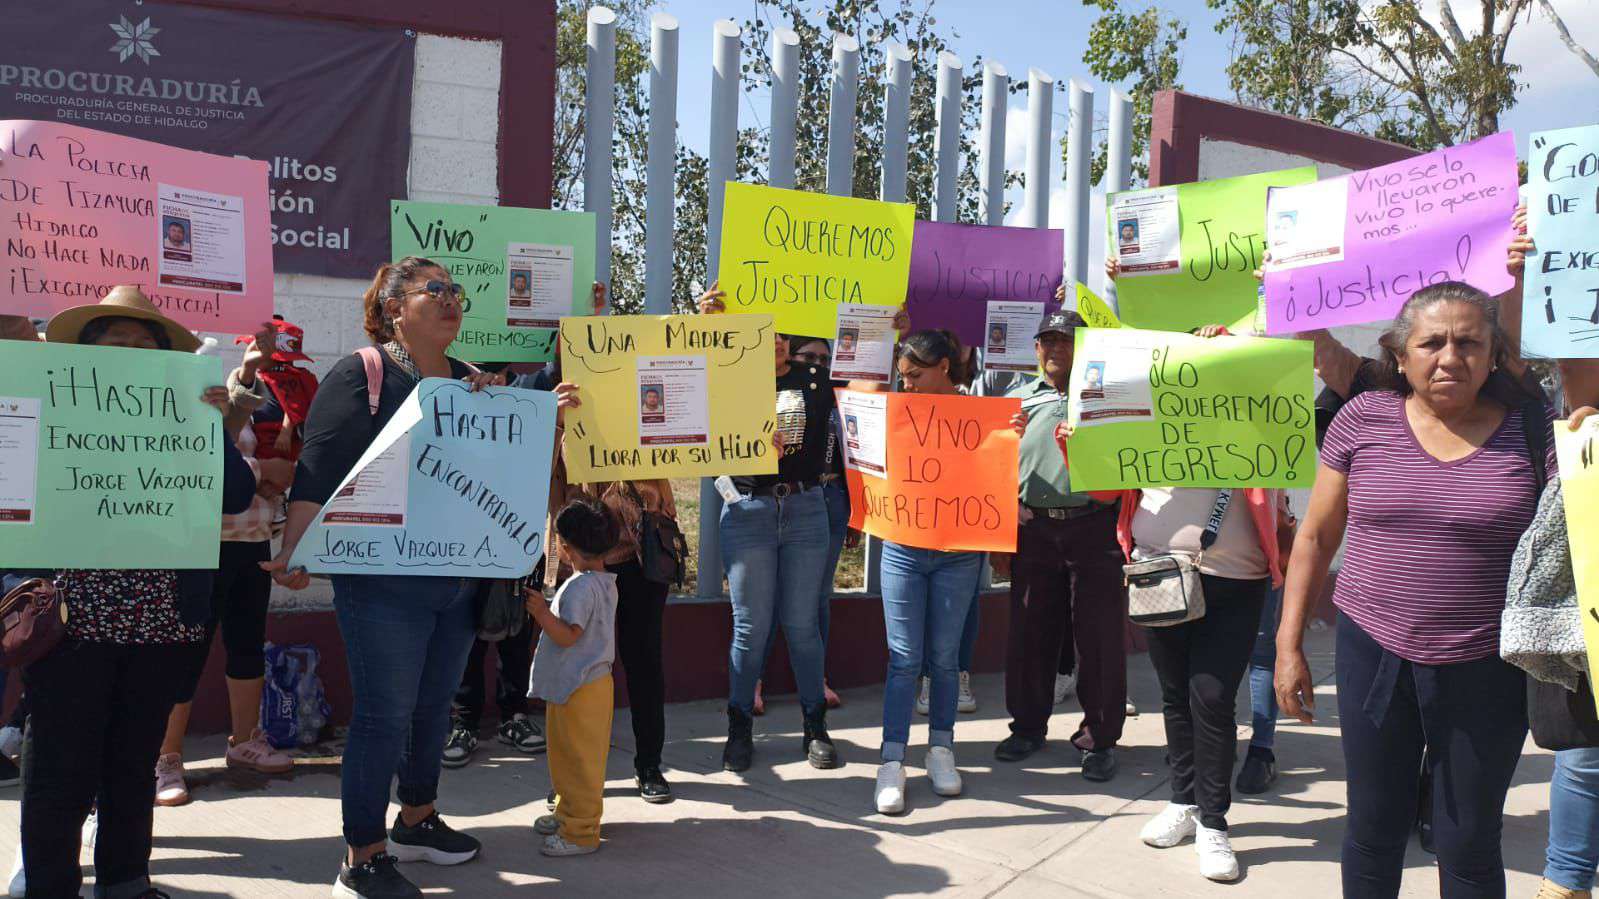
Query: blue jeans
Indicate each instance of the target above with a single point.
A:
(406, 640)
(773, 552)
(836, 494)
(1574, 819)
(926, 595)
(968, 629)
(1262, 670)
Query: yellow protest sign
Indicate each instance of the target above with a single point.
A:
(796, 255)
(1579, 480)
(646, 383)
(1094, 310)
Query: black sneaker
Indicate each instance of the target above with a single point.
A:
(523, 733)
(153, 893)
(459, 747)
(1099, 765)
(1016, 747)
(1258, 773)
(431, 840)
(740, 748)
(9, 775)
(652, 787)
(376, 878)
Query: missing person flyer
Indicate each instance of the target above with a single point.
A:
(202, 239)
(377, 495)
(1008, 335)
(865, 418)
(19, 458)
(863, 348)
(1115, 381)
(538, 280)
(673, 401)
(1148, 231)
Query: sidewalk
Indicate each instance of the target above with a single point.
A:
(785, 829)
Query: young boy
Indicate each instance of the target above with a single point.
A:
(572, 674)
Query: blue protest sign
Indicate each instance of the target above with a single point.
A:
(1560, 305)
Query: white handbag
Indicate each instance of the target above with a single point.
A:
(1165, 590)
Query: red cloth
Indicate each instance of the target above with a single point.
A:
(293, 389)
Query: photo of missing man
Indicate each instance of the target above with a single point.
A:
(846, 345)
(175, 238)
(852, 432)
(1283, 225)
(996, 337)
(1127, 235)
(1093, 381)
(652, 404)
(521, 284)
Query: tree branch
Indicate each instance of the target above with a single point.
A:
(1566, 38)
(1451, 26)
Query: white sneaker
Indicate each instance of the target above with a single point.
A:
(19, 882)
(925, 700)
(1132, 710)
(1174, 824)
(91, 828)
(967, 701)
(556, 846)
(942, 772)
(1065, 685)
(1216, 858)
(10, 742)
(890, 790)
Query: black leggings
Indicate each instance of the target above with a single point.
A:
(640, 608)
(239, 598)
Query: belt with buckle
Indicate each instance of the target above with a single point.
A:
(1065, 513)
(783, 489)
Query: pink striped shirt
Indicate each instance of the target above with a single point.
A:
(1428, 546)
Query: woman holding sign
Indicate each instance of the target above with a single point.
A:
(407, 637)
(99, 700)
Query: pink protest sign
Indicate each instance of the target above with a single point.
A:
(82, 211)
(1352, 249)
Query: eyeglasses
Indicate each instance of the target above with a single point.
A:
(822, 359)
(436, 290)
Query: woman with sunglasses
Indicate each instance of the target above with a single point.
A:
(406, 637)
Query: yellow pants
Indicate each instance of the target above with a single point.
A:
(578, 733)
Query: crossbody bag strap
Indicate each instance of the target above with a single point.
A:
(1224, 498)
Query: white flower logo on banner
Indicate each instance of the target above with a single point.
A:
(134, 40)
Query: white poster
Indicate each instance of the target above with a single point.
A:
(1008, 335)
(865, 417)
(1110, 376)
(673, 401)
(377, 495)
(1147, 231)
(202, 239)
(863, 348)
(1305, 223)
(538, 280)
(19, 458)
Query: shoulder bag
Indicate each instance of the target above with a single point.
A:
(662, 550)
(1166, 589)
(34, 620)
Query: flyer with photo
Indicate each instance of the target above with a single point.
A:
(865, 419)
(1008, 335)
(377, 495)
(863, 348)
(673, 402)
(19, 458)
(1110, 377)
(1305, 223)
(538, 284)
(202, 239)
(1147, 231)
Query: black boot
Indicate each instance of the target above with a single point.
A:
(740, 747)
(818, 745)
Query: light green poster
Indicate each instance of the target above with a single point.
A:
(108, 458)
(1188, 252)
(1165, 409)
(523, 270)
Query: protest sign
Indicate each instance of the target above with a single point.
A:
(108, 458)
(82, 211)
(1352, 249)
(1579, 482)
(1560, 313)
(1188, 252)
(456, 485)
(864, 347)
(796, 255)
(1094, 310)
(957, 270)
(1162, 409)
(523, 270)
(646, 384)
(931, 471)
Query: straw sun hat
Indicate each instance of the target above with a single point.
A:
(124, 301)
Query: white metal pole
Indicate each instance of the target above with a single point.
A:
(1119, 163)
(785, 107)
(841, 115)
(947, 112)
(1079, 156)
(599, 102)
(991, 167)
(661, 166)
(896, 121)
(1040, 106)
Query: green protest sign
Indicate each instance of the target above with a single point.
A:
(523, 270)
(1164, 409)
(108, 458)
(1188, 252)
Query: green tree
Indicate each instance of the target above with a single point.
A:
(1142, 49)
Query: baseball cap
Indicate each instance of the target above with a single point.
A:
(1061, 322)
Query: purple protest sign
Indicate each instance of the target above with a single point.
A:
(957, 269)
(1352, 249)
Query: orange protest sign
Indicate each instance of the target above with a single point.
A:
(934, 472)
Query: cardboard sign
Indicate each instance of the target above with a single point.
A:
(83, 211)
(1560, 318)
(958, 270)
(1188, 252)
(456, 485)
(1579, 481)
(669, 396)
(1094, 310)
(1160, 409)
(796, 255)
(523, 270)
(1352, 249)
(108, 458)
(935, 472)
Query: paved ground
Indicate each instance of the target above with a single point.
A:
(783, 830)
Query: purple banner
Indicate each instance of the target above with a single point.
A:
(957, 269)
(1352, 249)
